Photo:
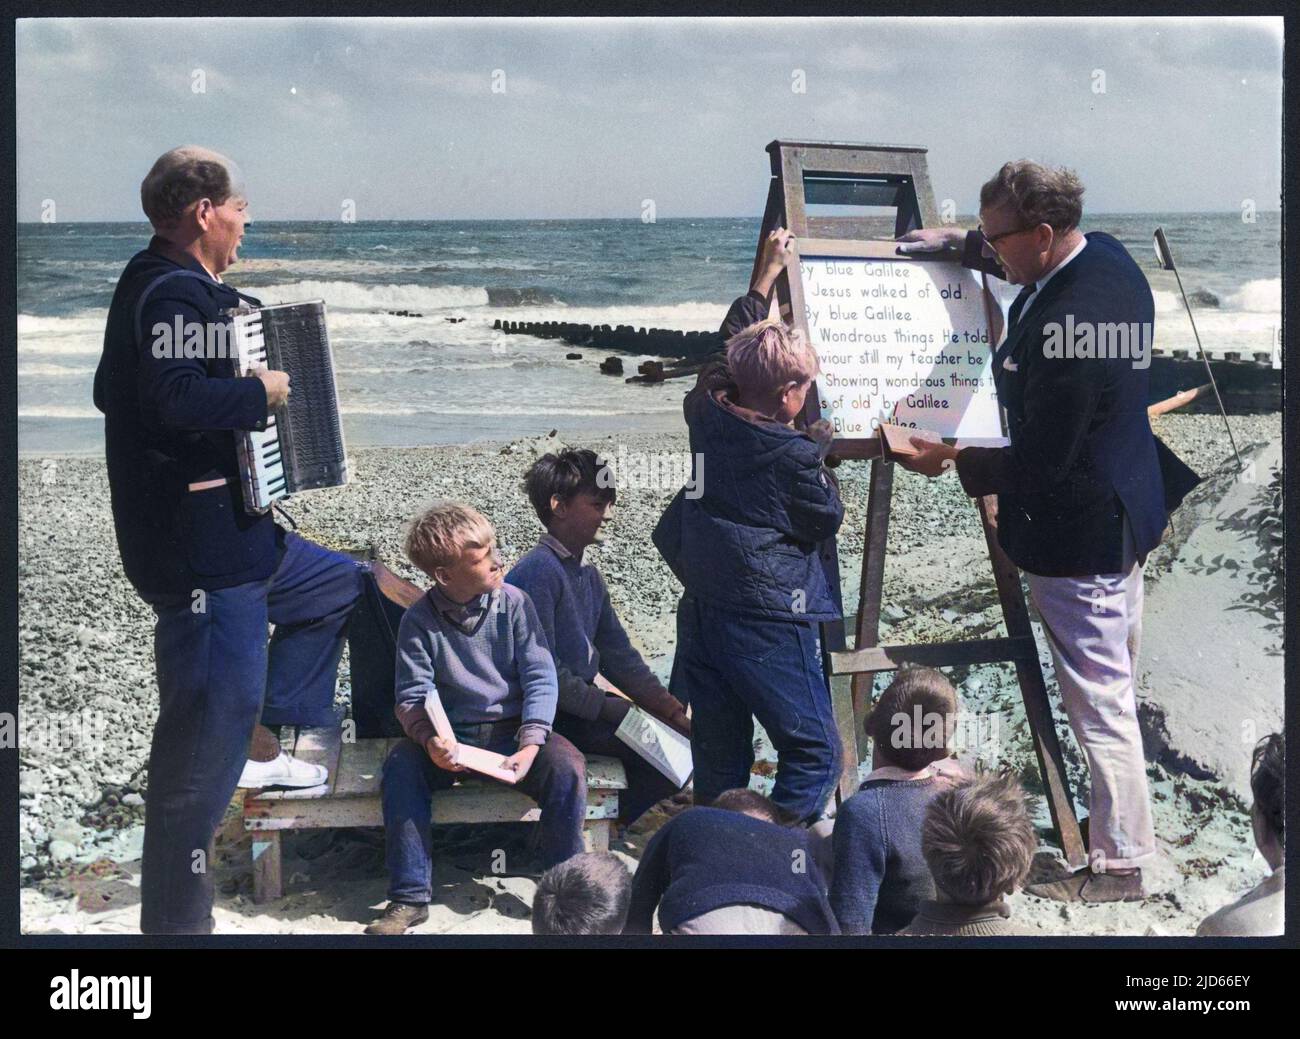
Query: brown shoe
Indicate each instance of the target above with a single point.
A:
(1085, 886)
(398, 916)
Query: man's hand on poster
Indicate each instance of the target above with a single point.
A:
(778, 249)
(932, 459)
(931, 240)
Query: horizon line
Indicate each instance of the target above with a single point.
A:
(573, 219)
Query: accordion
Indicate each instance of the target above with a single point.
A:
(301, 448)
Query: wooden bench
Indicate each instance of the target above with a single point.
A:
(351, 798)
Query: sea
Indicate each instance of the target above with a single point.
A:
(442, 375)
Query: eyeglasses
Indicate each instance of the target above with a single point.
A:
(991, 241)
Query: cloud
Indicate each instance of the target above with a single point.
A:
(595, 109)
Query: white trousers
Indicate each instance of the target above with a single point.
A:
(1093, 626)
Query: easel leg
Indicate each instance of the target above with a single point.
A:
(772, 218)
(841, 687)
(871, 589)
(1033, 690)
(851, 694)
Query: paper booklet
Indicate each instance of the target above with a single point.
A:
(896, 440)
(660, 744)
(475, 758)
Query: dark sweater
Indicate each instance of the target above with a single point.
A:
(880, 877)
(584, 633)
(708, 858)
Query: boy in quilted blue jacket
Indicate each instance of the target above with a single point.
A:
(748, 538)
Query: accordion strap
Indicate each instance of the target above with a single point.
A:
(182, 272)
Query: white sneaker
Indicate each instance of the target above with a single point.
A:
(285, 770)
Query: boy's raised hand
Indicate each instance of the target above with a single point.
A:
(823, 433)
(777, 251)
(521, 760)
(443, 753)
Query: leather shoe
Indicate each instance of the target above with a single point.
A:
(1088, 887)
(398, 916)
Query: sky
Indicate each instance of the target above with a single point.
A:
(574, 118)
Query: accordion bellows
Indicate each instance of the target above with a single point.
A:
(301, 448)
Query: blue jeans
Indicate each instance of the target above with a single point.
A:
(216, 678)
(556, 780)
(733, 669)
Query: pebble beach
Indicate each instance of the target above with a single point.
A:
(88, 698)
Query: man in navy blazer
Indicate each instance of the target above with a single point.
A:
(1081, 488)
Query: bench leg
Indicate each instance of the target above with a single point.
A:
(266, 866)
(595, 835)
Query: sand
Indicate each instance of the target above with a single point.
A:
(88, 699)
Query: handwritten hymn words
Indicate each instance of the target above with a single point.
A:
(904, 341)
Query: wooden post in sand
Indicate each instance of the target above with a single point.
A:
(825, 173)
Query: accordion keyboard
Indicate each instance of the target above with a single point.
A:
(261, 456)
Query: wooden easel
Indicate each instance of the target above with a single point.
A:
(827, 173)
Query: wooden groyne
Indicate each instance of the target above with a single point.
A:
(1249, 385)
(660, 342)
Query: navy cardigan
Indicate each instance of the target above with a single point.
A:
(169, 422)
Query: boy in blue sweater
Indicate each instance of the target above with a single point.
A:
(751, 546)
(880, 876)
(573, 500)
(477, 644)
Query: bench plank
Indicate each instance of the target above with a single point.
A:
(361, 766)
(460, 804)
(605, 774)
(356, 769)
(321, 746)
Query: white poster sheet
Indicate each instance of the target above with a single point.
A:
(903, 341)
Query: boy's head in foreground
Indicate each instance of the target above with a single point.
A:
(772, 368)
(573, 494)
(456, 546)
(912, 723)
(587, 894)
(1267, 786)
(755, 805)
(978, 840)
